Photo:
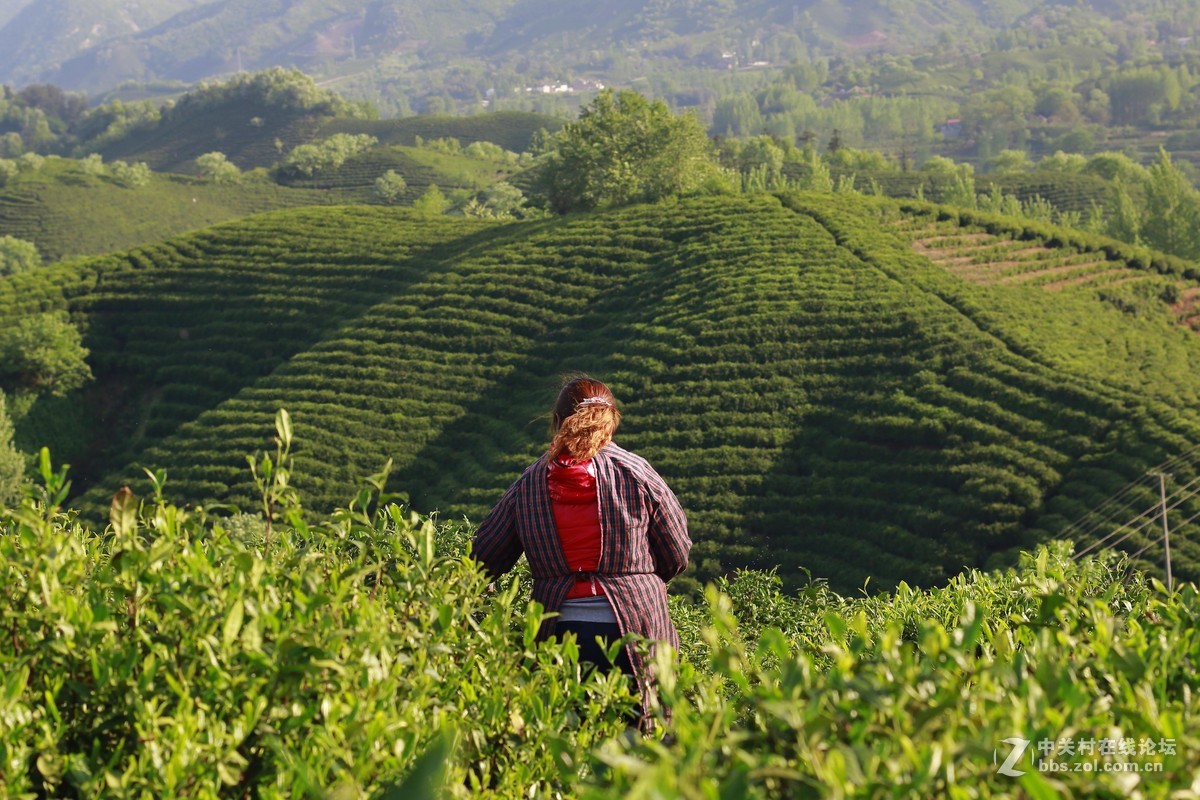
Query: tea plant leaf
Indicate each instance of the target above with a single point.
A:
(122, 514)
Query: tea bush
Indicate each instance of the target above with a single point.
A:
(180, 653)
(166, 657)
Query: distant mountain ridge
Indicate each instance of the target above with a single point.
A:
(10, 8)
(97, 44)
(40, 36)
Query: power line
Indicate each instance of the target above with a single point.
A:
(1147, 521)
(1115, 531)
(1153, 542)
(1109, 501)
(1170, 463)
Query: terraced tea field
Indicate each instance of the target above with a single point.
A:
(354, 181)
(67, 213)
(821, 396)
(512, 130)
(975, 255)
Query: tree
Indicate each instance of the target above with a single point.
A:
(390, 186)
(30, 162)
(1172, 212)
(331, 153)
(92, 164)
(501, 200)
(1009, 161)
(939, 165)
(131, 176)
(738, 115)
(12, 463)
(625, 149)
(17, 255)
(432, 202)
(8, 170)
(835, 141)
(43, 353)
(761, 152)
(217, 168)
(816, 177)
(1124, 220)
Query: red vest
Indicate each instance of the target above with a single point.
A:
(576, 510)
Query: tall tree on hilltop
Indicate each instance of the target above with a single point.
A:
(1172, 220)
(626, 149)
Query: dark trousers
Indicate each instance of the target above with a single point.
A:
(589, 650)
(596, 654)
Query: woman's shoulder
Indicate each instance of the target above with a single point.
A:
(619, 457)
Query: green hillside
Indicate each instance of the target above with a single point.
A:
(512, 130)
(245, 131)
(253, 133)
(821, 394)
(66, 212)
(354, 181)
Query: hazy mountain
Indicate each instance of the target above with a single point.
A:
(9, 9)
(94, 45)
(39, 36)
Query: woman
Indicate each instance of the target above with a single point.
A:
(601, 530)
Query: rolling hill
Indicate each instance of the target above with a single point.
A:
(822, 393)
(67, 213)
(254, 135)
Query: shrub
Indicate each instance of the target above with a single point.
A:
(217, 167)
(92, 164)
(330, 153)
(131, 176)
(432, 202)
(30, 162)
(390, 186)
(17, 255)
(43, 353)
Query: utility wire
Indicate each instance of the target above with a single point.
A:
(1148, 520)
(1170, 463)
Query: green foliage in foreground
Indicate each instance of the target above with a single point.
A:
(179, 654)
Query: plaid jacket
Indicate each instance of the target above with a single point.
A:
(643, 544)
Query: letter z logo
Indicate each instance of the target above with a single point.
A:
(1019, 747)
